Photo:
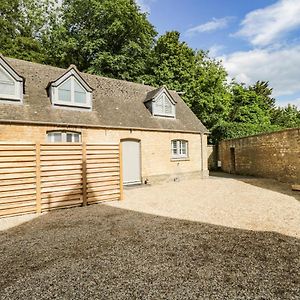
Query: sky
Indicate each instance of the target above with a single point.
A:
(255, 39)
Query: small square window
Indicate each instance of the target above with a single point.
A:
(179, 149)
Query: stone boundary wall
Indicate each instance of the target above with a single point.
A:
(272, 155)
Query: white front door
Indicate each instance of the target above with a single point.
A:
(131, 155)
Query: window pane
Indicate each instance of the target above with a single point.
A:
(168, 105)
(159, 108)
(7, 84)
(69, 137)
(64, 92)
(7, 88)
(80, 97)
(54, 137)
(76, 137)
(66, 85)
(184, 148)
(78, 87)
(57, 137)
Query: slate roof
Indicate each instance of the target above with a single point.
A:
(115, 104)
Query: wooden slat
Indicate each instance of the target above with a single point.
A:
(13, 154)
(15, 148)
(17, 187)
(60, 147)
(17, 193)
(62, 157)
(103, 179)
(102, 170)
(103, 165)
(12, 182)
(57, 178)
(296, 187)
(102, 152)
(18, 199)
(105, 174)
(18, 176)
(17, 159)
(62, 198)
(102, 193)
(93, 146)
(50, 195)
(102, 161)
(17, 211)
(61, 162)
(17, 170)
(61, 183)
(15, 164)
(57, 168)
(57, 205)
(64, 172)
(59, 153)
(15, 205)
(61, 188)
(17, 144)
(97, 199)
(104, 183)
(106, 188)
(99, 156)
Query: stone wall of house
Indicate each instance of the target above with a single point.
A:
(274, 155)
(156, 163)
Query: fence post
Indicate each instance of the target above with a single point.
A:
(84, 177)
(121, 172)
(38, 177)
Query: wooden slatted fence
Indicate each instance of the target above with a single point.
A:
(42, 177)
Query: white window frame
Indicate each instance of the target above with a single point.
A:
(71, 75)
(50, 136)
(177, 149)
(163, 113)
(18, 83)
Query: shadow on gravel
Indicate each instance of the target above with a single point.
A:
(102, 252)
(265, 183)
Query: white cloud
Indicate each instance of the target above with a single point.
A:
(280, 67)
(144, 5)
(212, 25)
(267, 25)
(215, 50)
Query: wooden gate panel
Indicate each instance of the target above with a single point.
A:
(61, 175)
(102, 173)
(17, 178)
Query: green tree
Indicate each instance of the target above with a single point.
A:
(200, 79)
(22, 25)
(250, 112)
(104, 37)
(286, 117)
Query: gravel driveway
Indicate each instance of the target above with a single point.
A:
(135, 251)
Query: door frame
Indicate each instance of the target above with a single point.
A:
(140, 149)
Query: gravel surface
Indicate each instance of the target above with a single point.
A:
(239, 202)
(106, 252)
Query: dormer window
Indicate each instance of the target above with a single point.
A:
(71, 90)
(11, 84)
(160, 103)
(163, 106)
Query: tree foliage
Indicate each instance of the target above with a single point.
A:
(104, 37)
(23, 23)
